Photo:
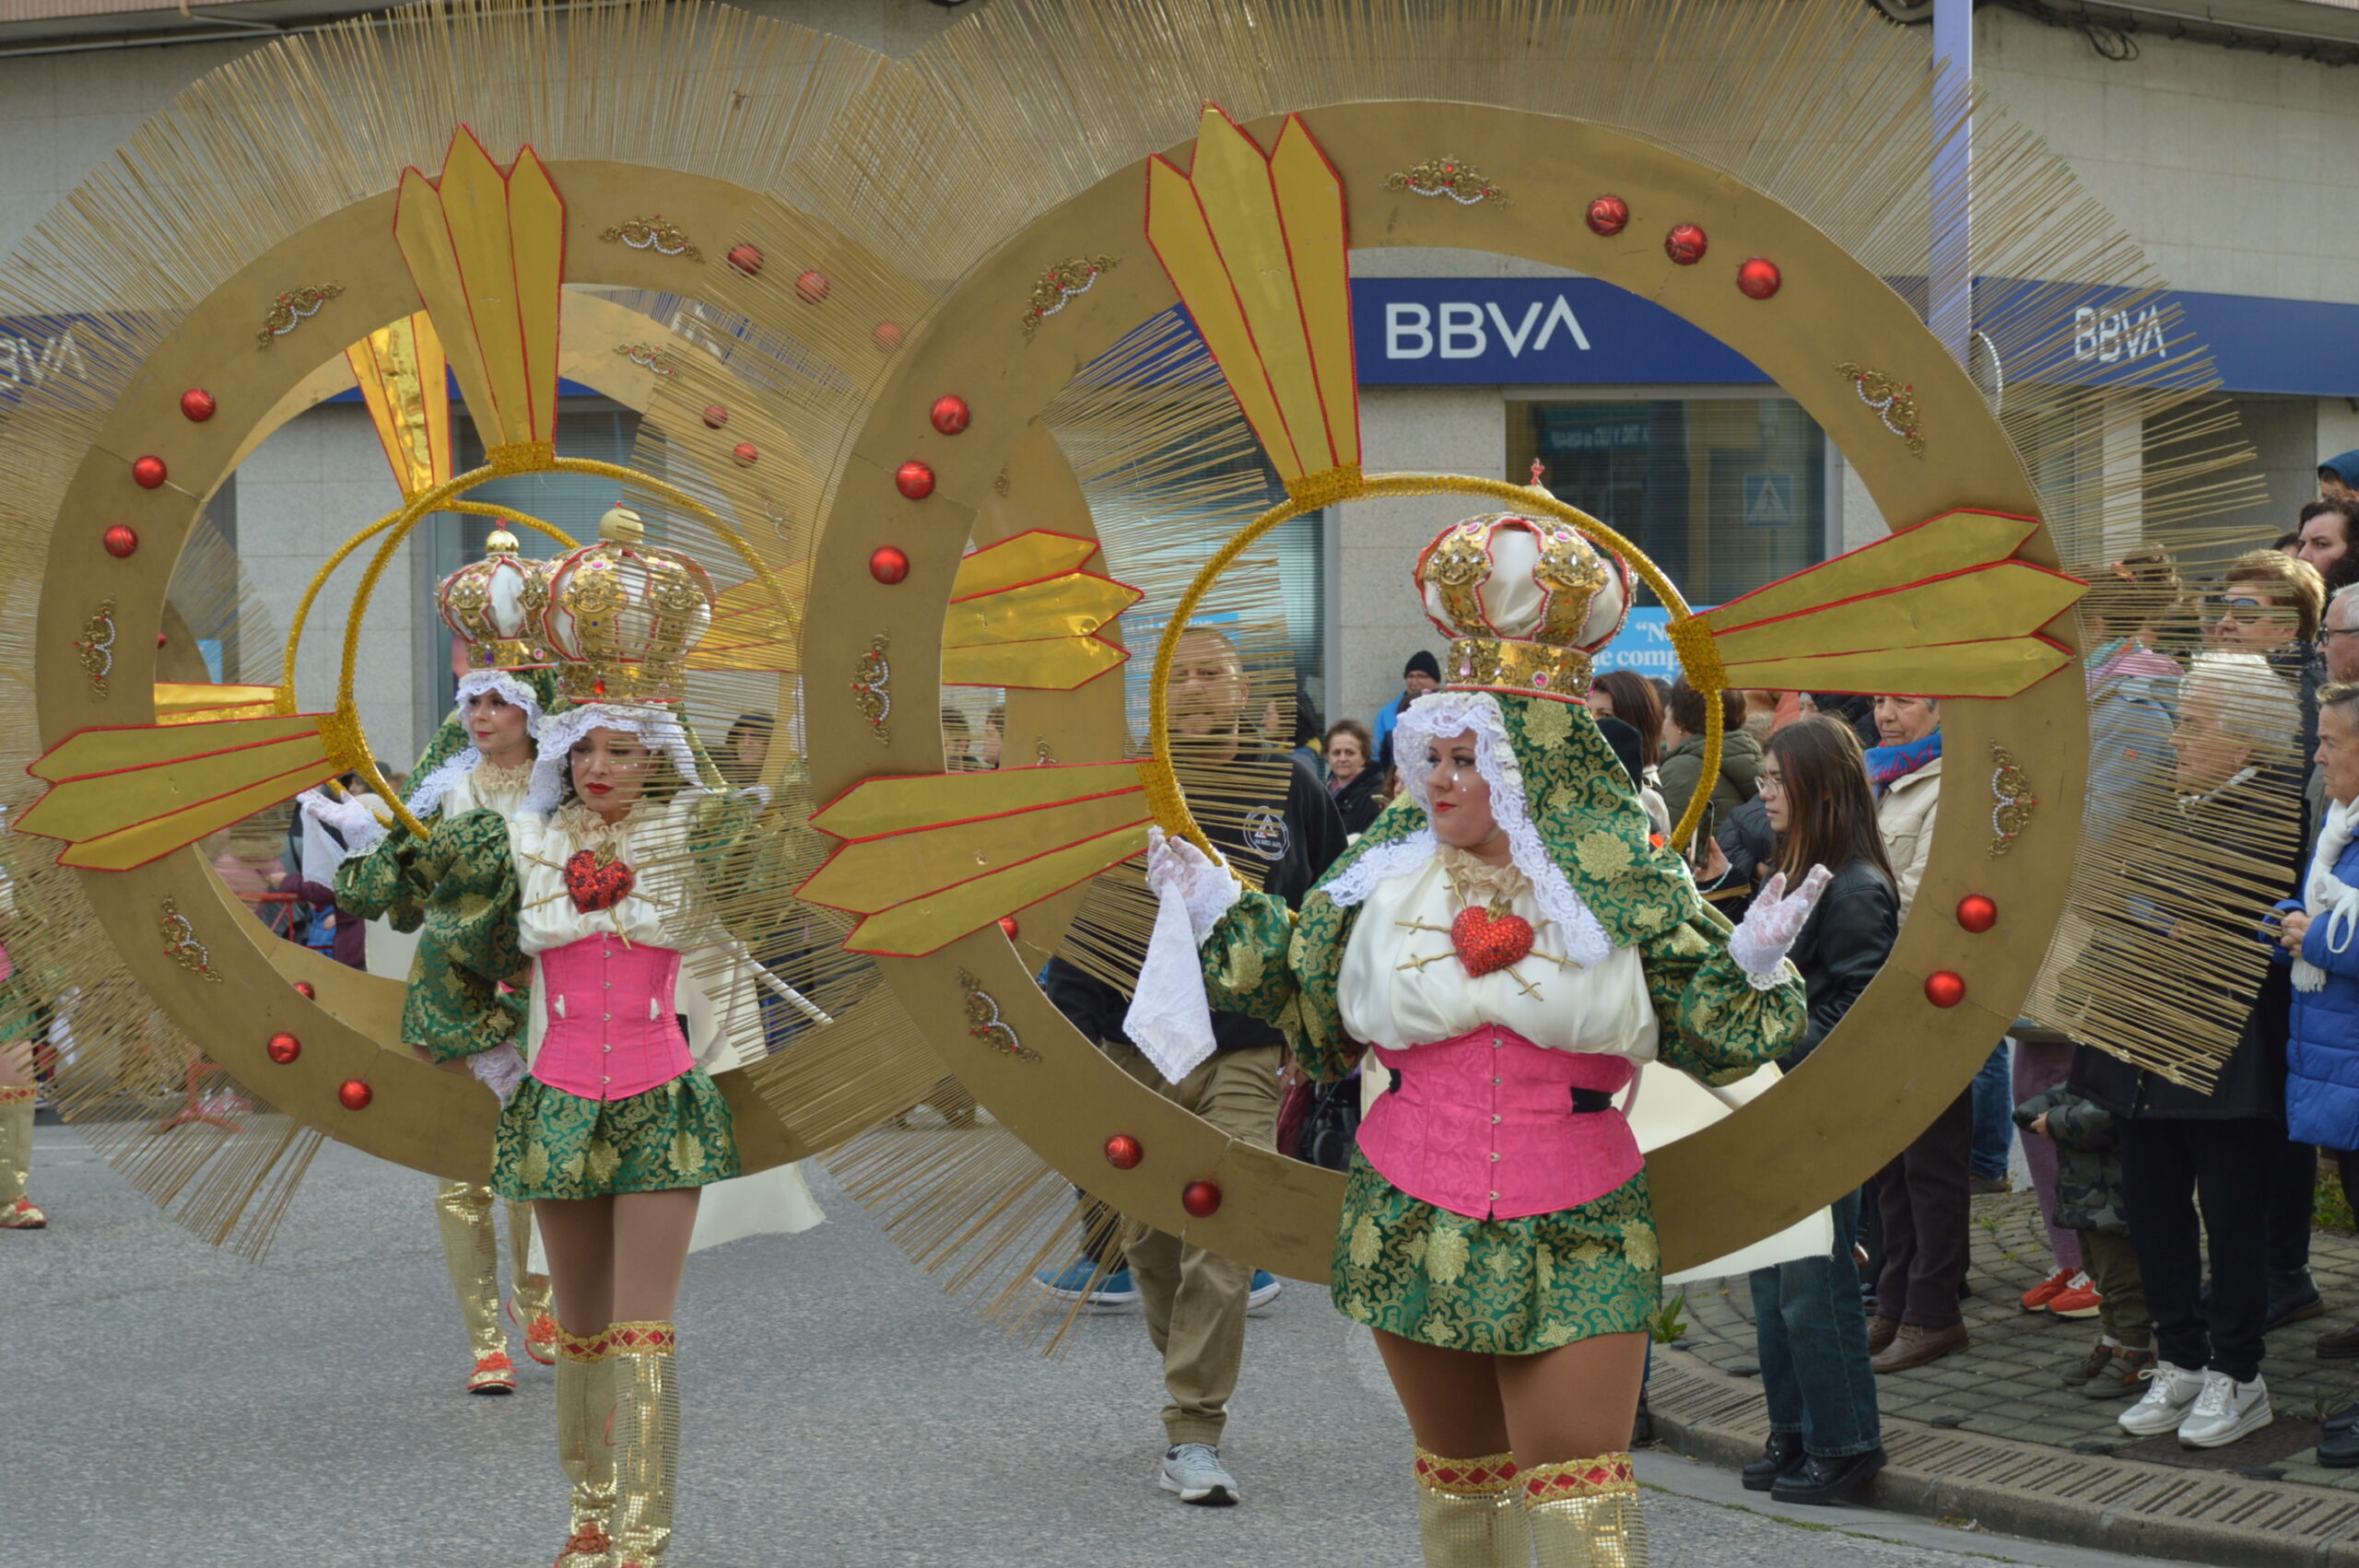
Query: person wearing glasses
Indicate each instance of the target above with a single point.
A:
(2338, 638)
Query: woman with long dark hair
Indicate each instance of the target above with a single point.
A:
(1630, 696)
(1824, 1438)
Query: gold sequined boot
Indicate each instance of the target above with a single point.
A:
(647, 1441)
(1584, 1514)
(586, 1442)
(1470, 1513)
(471, 1248)
(17, 1212)
(530, 1304)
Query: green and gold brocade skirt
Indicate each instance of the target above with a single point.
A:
(553, 1145)
(1495, 1287)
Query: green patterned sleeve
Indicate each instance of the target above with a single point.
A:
(468, 943)
(383, 883)
(1267, 961)
(1714, 1024)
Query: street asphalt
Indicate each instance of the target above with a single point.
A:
(165, 1406)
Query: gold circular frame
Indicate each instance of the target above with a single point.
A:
(1840, 1117)
(427, 1119)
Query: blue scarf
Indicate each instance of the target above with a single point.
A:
(1888, 764)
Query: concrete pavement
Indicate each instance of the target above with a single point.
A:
(166, 1407)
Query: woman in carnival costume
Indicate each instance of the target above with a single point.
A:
(481, 759)
(1512, 948)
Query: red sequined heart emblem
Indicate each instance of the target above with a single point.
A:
(598, 884)
(1486, 942)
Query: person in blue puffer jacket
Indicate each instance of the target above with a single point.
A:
(2318, 934)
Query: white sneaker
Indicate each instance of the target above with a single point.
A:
(1194, 1471)
(2169, 1392)
(2225, 1411)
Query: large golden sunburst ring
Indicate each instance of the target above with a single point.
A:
(349, 1029)
(1893, 1063)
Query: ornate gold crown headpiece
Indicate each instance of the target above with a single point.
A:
(623, 615)
(1525, 600)
(495, 605)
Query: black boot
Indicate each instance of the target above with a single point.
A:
(2344, 1419)
(1822, 1479)
(1781, 1456)
(2292, 1296)
(2339, 1448)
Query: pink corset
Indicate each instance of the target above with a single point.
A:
(1493, 1126)
(611, 1031)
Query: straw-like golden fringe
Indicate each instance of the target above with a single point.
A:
(933, 163)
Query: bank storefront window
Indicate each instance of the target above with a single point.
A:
(1724, 493)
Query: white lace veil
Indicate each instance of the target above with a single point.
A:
(660, 727)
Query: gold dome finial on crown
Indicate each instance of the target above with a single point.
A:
(1526, 601)
(495, 605)
(624, 613)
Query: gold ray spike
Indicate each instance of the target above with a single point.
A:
(486, 249)
(929, 857)
(193, 702)
(122, 797)
(403, 375)
(1256, 245)
(1023, 614)
(1940, 609)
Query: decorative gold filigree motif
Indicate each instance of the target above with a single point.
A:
(95, 646)
(180, 941)
(1459, 567)
(1894, 403)
(647, 357)
(984, 1022)
(1042, 755)
(1574, 574)
(1507, 664)
(656, 233)
(2012, 801)
(1075, 274)
(1451, 177)
(870, 686)
(292, 309)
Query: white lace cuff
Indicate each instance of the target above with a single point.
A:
(499, 1070)
(1765, 966)
(1212, 895)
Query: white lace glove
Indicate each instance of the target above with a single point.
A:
(352, 819)
(499, 1070)
(1760, 943)
(1205, 885)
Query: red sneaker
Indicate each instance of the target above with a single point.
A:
(2036, 1298)
(24, 1214)
(2078, 1299)
(494, 1374)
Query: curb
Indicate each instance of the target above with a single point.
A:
(2031, 1489)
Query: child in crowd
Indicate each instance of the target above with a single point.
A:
(2089, 1203)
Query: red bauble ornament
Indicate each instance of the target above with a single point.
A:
(305, 990)
(747, 454)
(1977, 912)
(120, 540)
(715, 416)
(355, 1095)
(914, 479)
(161, 640)
(1124, 1152)
(1008, 928)
(747, 258)
(1759, 278)
(285, 1048)
(149, 473)
(1685, 245)
(1945, 988)
(1608, 216)
(950, 413)
(197, 404)
(888, 564)
(1200, 1198)
(888, 336)
(812, 286)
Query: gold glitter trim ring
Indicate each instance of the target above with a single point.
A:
(1169, 802)
(2011, 802)
(1507, 663)
(1451, 177)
